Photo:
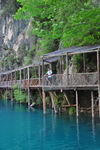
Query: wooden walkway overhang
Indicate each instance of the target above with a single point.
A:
(66, 80)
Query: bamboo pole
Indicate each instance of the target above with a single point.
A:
(92, 104)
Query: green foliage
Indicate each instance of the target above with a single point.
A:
(69, 22)
(57, 102)
(78, 60)
(72, 110)
(6, 95)
(46, 45)
(20, 95)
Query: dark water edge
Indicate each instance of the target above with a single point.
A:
(28, 129)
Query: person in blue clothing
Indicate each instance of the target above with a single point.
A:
(49, 75)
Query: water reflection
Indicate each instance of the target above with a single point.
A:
(28, 128)
(93, 129)
(77, 128)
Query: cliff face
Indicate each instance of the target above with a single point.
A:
(13, 35)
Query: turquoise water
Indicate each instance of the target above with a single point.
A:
(24, 129)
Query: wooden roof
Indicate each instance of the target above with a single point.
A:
(72, 50)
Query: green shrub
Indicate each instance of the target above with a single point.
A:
(20, 94)
(72, 110)
(6, 95)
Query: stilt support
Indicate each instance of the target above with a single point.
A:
(11, 94)
(77, 114)
(44, 103)
(92, 104)
(52, 100)
(28, 96)
(99, 100)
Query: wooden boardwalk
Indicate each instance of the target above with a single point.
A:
(33, 76)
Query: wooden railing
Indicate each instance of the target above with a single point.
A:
(76, 79)
(36, 82)
(56, 80)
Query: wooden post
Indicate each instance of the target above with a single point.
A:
(98, 70)
(50, 66)
(15, 76)
(28, 73)
(84, 64)
(39, 74)
(60, 65)
(52, 100)
(77, 104)
(44, 103)
(20, 82)
(11, 87)
(42, 67)
(67, 68)
(24, 74)
(20, 77)
(92, 104)
(11, 94)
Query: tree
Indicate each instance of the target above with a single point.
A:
(73, 22)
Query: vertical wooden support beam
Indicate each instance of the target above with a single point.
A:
(77, 104)
(67, 66)
(52, 100)
(20, 82)
(50, 66)
(15, 75)
(11, 87)
(42, 71)
(20, 76)
(39, 73)
(98, 70)
(60, 65)
(24, 74)
(44, 103)
(92, 104)
(28, 73)
(42, 67)
(84, 64)
(11, 94)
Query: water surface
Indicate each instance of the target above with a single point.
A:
(24, 129)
